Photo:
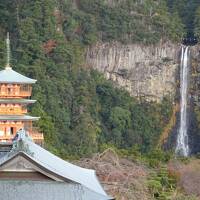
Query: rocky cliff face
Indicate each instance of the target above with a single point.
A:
(194, 97)
(144, 71)
(195, 75)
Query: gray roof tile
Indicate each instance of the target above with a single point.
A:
(18, 117)
(20, 101)
(10, 76)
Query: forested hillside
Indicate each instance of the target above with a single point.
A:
(189, 13)
(81, 112)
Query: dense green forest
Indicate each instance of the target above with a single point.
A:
(81, 112)
(188, 11)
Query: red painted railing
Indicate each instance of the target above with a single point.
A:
(36, 136)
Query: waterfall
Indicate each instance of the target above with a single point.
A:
(182, 146)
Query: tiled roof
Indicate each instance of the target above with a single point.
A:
(10, 76)
(85, 177)
(18, 117)
(20, 101)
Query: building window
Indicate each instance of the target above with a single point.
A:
(9, 91)
(11, 130)
(24, 88)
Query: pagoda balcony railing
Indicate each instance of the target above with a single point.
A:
(13, 90)
(36, 136)
(25, 93)
(15, 94)
(12, 111)
(6, 137)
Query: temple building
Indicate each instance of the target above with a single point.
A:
(15, 93)
(27, 170)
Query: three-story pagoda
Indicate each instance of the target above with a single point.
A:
(15, 93)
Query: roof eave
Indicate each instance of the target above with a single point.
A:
(20, 119)
(28, 101)
(15, 82)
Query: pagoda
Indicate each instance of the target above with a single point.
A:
(15, 93)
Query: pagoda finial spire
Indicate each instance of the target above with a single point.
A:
(8, 51)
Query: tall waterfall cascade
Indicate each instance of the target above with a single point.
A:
(182, 146)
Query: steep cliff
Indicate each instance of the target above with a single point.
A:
(194, 97)
(144, 71)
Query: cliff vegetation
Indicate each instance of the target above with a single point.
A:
(78, 106)
(81, 112)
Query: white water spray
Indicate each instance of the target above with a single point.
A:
(182, 146)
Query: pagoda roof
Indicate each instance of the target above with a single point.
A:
(64, 171)
(19, 101)
(10, 76)
(18, 118)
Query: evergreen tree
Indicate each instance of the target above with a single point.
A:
(197, 23)
(80, 110)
